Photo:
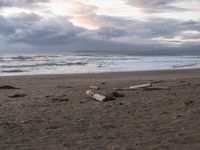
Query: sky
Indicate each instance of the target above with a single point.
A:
(100, 25)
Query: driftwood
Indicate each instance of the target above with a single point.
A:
(106, 97)
(17, 95)
(96, 96)
(141, 86)
(95, 87)
(147, 86)
(135, 87)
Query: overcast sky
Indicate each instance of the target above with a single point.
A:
(132, 25)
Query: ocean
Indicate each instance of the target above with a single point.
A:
(77, 63)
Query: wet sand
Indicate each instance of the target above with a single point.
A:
(54, 113)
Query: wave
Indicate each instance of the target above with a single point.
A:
(21, 58)
(13, 71)
(44, 64)
(183, 66)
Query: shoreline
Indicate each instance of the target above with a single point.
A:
(111, 73)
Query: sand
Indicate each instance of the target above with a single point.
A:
(53, 112)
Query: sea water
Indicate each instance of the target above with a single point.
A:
(76, 63)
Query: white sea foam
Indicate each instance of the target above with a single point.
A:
(90, 63)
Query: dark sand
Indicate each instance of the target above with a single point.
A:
(54, 113)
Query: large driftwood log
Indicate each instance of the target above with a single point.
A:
(141, 86)
(147, 86)
(135, 87)
(96, 96)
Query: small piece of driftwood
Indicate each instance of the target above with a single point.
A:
(95, 87)
(96, 96)
(17, 96)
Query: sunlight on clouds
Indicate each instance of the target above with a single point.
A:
(192, 32)
(80, 14)
(84, 13)
(13, 10)
(57, 8)
(118, 8)
(185, 16)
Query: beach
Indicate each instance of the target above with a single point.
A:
(53, 112)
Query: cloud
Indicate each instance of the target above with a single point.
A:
(156, 6)
(72, 31)
(36, 31)
(151, 3)
(5, 28)
(80, 13)
(19, 3)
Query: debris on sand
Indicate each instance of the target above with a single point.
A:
(115, 94)
(103, 83)
(60, 99)
(25, 121)
(7, 87)
(17, 95)
(103, 98)
(95, 87)
(189, 103)
(64, 87)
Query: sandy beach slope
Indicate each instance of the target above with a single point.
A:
(54, 113)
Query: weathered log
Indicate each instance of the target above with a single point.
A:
(135, 87)
(95, 87)
(96, 96)
(141, 86)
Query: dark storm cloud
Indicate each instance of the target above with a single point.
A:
(5, 28)
(35, 30)
(109, 32)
